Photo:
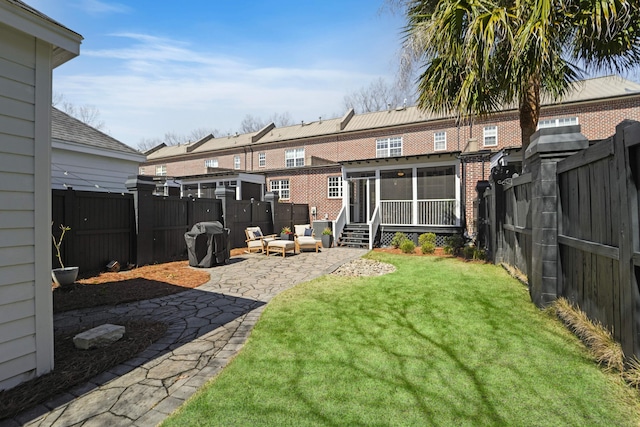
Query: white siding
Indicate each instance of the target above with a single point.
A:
(86, 170)
(19, 56)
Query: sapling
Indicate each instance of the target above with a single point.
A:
(58, 243)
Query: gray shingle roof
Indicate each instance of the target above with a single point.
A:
(67, 128)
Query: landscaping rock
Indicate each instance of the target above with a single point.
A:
(100, 336)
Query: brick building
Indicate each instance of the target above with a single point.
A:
(396, 170)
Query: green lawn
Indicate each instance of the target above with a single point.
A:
(439, 342)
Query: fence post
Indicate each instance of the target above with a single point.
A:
(548, 146)
(272, 197)
(225, 193)
(142, 189)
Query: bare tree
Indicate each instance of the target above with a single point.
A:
(251, 124)
(173, 138)
(254, 124)
(200, 133)
(88, 114)
(378, 96)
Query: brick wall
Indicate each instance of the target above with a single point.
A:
(309, 184)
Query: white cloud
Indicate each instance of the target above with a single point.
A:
(157, 85)
(97, 7)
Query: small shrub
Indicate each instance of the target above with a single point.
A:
(427, 238)
(467, 252)
(453, 244)
(407, 246)
(398, 239)
(479, 254)
(428, 247)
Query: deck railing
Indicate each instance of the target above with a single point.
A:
(436, 212)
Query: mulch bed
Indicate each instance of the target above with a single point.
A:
(151, 281)
(74, 367)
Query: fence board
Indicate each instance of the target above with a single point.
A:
(598, 224)
(102, 228)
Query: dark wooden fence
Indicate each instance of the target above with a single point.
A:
(587, 215)
(102, 228)
(174, 216)
(103, 225)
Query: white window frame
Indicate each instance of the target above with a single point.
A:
(211, 163)
(236, 162)
(161, 170)
(490, 133)
(141, 171)
(294, 157)
(557, 122)
(389, 147)
(440, 141)
(262, 160)
(282, 187)
(334, 187)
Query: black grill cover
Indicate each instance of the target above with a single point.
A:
(208, 244)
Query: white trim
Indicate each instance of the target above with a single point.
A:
(335, 187)
(53, 33)
(435, 142)
(42, 214)
(97, 151)
(484, 136)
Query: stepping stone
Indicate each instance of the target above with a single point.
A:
(100, 336)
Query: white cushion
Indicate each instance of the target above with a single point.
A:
(306, 241)
(299, 229)
(287, 244)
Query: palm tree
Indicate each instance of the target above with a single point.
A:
(482, 55)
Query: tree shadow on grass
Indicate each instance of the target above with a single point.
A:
(455, 371)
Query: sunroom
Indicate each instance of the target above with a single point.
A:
(414, 195)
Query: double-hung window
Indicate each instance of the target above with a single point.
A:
(236, 162)
(440, 141)
(161, 170)
(389, 147)
(334, 186)
(262, 160)
(280, 186)
(490, 136)
(211, 163)
(294, 157)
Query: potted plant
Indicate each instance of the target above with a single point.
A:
(286, 234)
(327, 238)
(62, 276)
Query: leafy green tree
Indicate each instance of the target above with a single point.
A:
(481, 55)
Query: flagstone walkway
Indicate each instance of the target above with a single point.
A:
(207, 326)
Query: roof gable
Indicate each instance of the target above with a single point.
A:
(67, 128)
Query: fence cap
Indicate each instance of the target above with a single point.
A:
(556, 140)
(138, 182)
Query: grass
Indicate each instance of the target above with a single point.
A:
(437, 343)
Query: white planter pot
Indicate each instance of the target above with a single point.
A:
(64, 276)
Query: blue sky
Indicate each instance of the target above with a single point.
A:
(152, 67)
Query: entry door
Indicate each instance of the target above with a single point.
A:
(362, 199)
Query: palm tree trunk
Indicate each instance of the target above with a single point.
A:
(529, 111)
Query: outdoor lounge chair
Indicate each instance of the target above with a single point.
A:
(256, 241)
(305, 238)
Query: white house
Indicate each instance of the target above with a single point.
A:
(32, 45)
(85, 158)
